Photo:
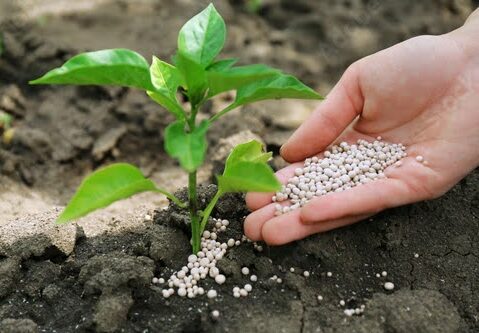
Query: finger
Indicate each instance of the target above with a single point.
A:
(254, 221)
(341, 106)
(368, 198)
(287, 228)
(256, 200)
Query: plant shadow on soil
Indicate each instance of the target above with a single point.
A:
(105, 284)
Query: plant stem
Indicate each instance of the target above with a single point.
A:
(221, 113)
(208, 210)
(192, 119)
(192, 196)
(195, 219)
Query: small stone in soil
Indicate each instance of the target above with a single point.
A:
(306, 274)
(384, 273)
(245, 270)
(253, 278)
(329, 274)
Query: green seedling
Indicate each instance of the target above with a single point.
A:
(199, 75)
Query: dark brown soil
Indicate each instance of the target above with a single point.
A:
(105, 284)
(63, 132)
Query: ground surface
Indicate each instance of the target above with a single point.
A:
(97, 276)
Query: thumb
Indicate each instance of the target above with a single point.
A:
(342, 105)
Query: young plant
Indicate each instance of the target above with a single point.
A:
(199, 75)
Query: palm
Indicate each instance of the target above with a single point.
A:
(426, 105)
(418, 93)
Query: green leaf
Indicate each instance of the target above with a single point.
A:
(165, 101)
(280, 86)
(188, 148)
(165, 76)
(248, 152)
(105, 186)
(166, 79)
(246, 170)
(202, 37)
(194, 78)
(223, 64)
(248, 177)
(106, 67)
(237, 77)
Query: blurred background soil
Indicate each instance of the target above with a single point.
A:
(61, 133)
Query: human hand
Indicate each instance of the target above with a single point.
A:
(423, 93)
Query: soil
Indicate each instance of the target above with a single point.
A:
(103, 283)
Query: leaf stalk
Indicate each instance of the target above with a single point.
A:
(208, 210)
(173, 198)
